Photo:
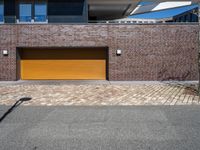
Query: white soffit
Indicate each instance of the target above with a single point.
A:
(167, 5)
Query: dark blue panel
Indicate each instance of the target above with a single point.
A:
(65, 7)
(10, 6)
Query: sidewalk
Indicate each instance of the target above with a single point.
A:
(56, 93)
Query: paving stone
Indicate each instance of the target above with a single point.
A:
(98, 94)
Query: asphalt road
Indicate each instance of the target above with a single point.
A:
(101, 128)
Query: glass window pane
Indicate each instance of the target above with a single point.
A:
(65, 7)
(40, 12)
(1, 11)
(25, 12)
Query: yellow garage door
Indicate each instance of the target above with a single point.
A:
(63, 64)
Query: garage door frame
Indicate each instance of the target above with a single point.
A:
(20, 49)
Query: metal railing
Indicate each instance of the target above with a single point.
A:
(9, 19)
(59, 20)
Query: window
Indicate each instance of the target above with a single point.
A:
(25, 11)
(181, 19)
(33, 11)
(66, 7)
(194, 18)
(1, 11)
(186, 18)
(40, 12)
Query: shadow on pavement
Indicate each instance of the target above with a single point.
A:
(17, 103)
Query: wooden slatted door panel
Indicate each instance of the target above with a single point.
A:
(63, 64)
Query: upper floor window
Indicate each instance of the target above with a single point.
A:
(40, 12)
(1, 11)
(33, 11)
(25, 11)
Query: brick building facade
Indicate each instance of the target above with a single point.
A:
(149, 52)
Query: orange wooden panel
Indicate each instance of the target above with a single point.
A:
(71, 66)
(63, 69)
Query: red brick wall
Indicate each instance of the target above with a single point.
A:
(154, 52)
(149, 52)
(8, 40)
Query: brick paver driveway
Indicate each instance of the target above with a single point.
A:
(99, 94)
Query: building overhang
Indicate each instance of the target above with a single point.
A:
(114, 9)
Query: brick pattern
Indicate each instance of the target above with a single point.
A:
(62, 35)
(8, 40)
(159, 52)
(149, 52)
(98, 94)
